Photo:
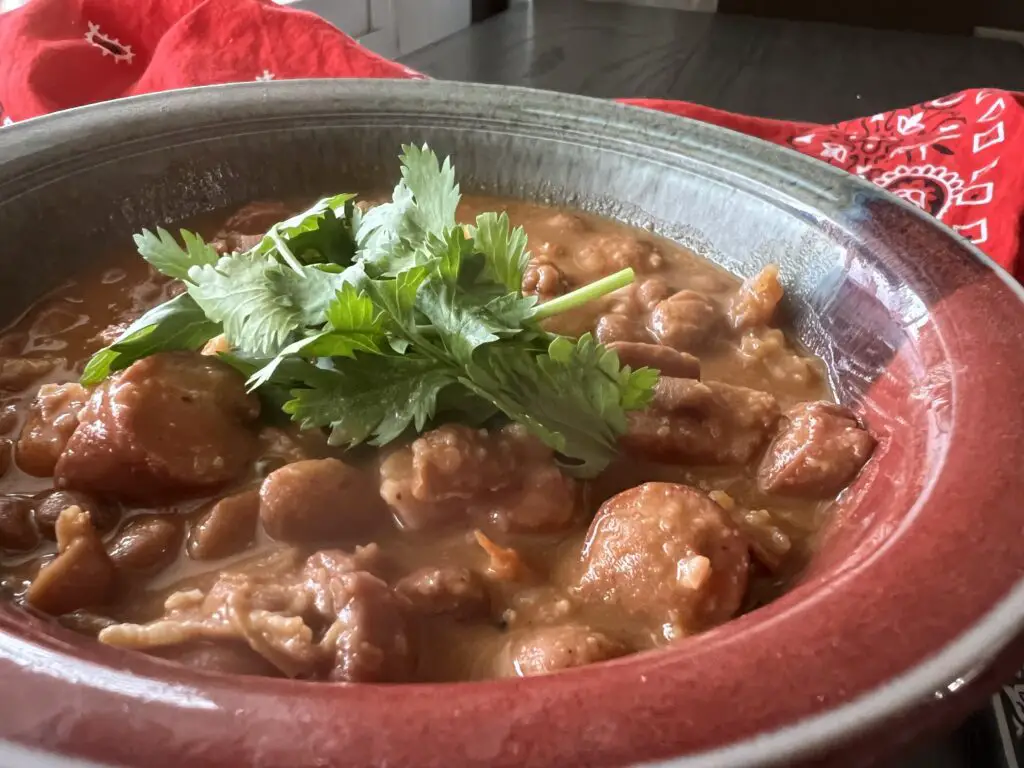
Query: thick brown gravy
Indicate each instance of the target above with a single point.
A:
(67, 327)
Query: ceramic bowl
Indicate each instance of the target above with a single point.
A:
(918, 582)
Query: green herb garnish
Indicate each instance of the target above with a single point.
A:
(372, 324)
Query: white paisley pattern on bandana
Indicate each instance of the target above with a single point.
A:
(108, 46)
(913, 152)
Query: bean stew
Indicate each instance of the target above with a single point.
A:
(169, 507)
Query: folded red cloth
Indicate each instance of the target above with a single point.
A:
(945, 156)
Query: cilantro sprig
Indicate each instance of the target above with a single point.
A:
(376, 324)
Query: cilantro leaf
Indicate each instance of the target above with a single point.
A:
(574, 396)
(316, 235)
(637, 387)
(462, 325)
(162, 251)
(397, 298)
(292, 372)
(330, 240)
(504, 250)
(433, 188)
(352, 312)
(458, 404)
(373, 397)
(512, 309)
(176, 324)
(423, 204)
(323, 344)
(383, 232)
(356, 326)
(449, 252)
(311, 291)
(259, 302)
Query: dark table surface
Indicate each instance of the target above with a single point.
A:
(781, 69)
(766, 67)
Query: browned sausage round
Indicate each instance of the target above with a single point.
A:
(667, 553)
(171, 425)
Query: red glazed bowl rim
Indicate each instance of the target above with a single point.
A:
(53, 664)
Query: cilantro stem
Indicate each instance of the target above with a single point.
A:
(584, 294)
(285, 251)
